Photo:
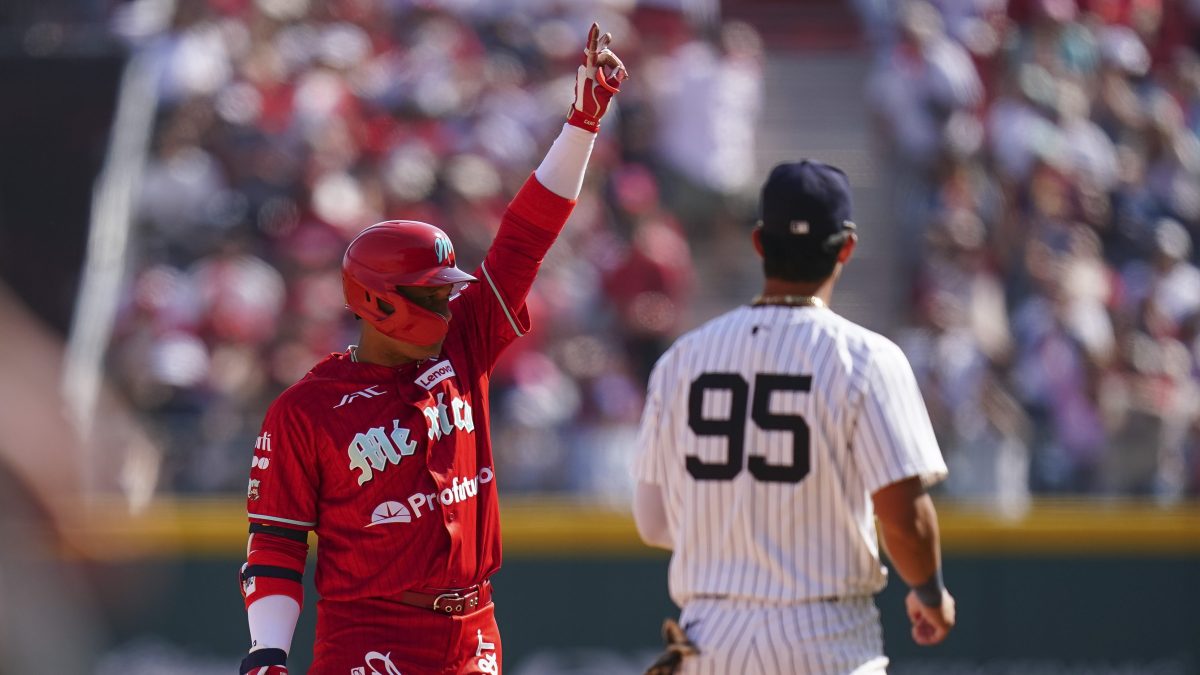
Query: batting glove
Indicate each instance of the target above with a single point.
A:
(594, 88)
(678, 646)
(265, 662)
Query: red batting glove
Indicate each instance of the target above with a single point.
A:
(594, 87)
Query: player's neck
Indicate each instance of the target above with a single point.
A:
(793, 291)
(374, 347)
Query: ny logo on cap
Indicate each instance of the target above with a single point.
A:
(800, 227)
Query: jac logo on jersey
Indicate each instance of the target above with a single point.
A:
(439, 372)
(369, 392)
(390, 512)
(263, 442)
(375, 449)
(260, 462)
(376, 659)
(252, 489)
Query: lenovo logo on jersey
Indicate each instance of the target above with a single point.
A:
(369, 392)
(390, 512)
(459, 491)
(437, 373)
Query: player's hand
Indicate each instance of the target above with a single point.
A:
(264, 662)
(597, 79)
(930, 624)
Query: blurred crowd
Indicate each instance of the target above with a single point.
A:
(1046, 155)
(287, 126)
(1048, 166)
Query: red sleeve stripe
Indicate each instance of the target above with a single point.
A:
(500, 298)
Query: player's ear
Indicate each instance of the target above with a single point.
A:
(756, 237)
(847, 248)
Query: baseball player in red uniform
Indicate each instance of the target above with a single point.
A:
(384, 450)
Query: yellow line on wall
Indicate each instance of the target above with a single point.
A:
(557, 528)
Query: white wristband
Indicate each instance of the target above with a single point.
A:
(561, 172)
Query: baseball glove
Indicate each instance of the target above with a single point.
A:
(678, 646)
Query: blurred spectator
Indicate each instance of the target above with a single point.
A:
(649, 280)
(707, 100)
(957, 352)
(926, 91)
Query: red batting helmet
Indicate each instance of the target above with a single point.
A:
(399, 253)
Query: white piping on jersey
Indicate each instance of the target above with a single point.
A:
(503, 305)
(277, 519)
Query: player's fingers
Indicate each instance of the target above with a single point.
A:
(604, 41)
(930, 630)
(614, 63)
(607, 58)
(925, 633)
(593, 38)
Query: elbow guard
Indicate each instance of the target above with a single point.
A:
(274, 563)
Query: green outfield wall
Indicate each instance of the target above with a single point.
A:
(1068, 588)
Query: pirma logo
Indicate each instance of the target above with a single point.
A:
(390, 512)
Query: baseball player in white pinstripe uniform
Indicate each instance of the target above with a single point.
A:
(772, 438)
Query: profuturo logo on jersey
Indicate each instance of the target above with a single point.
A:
(437, 373)
(459, 491)
(390, 512)
(374, 659)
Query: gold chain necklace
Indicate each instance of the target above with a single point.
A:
(789, 301)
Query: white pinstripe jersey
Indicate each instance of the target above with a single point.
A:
(768, 429)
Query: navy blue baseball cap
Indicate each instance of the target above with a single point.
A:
(807, 203)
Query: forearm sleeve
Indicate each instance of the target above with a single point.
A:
(272, 585)
(566, 161)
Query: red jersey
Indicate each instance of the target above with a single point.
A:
(392, 467)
